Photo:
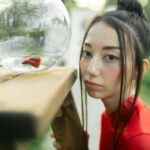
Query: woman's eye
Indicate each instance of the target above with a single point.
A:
(86, 54)
(111, 58)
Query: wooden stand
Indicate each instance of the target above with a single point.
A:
(30, 102)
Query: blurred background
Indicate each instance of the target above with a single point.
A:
(81, 12)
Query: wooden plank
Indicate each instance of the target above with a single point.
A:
(29, 102)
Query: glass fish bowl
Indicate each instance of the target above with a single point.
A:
(33, 33)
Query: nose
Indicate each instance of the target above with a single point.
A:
(94, 67)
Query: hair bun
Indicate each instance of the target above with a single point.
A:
(131, 6)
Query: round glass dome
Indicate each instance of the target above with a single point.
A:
(33, 33)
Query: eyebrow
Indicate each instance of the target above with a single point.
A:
(87, 44)
(104, 48)
(111, 47)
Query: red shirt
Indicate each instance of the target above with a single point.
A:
(135, 136)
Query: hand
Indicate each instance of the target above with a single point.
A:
(55, 143)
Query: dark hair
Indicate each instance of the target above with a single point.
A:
(128, 20)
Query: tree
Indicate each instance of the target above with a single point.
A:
(69, 4)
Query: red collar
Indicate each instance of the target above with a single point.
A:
(125, 108)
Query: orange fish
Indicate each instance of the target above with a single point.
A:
(35, 62)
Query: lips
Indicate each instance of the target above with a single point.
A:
(92, 85)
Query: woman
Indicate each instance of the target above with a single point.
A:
(113, 63)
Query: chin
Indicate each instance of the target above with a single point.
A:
(95, 95)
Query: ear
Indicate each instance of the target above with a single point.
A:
(145, 67)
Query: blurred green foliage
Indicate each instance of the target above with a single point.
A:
(147, 10)
(13, 20)
(70, 4)
(145, 89)
(41, 143)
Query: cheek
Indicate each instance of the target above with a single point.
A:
(113, 73)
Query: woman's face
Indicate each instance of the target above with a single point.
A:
(100, 63)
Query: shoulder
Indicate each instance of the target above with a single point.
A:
(139, 142)
(140, 119)
(105, 118)
(144, 118)
(139, 123)
(104, 114)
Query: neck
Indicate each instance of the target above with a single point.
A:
(111, 104)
